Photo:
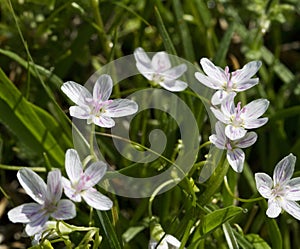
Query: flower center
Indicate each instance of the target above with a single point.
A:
(278, 191)
(99, 107)
(81, 184)
(237, 119)
(158, 78)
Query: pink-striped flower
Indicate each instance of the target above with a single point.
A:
(48, 201)
(234, 153)
(225, 82)
(238, 119)
(282, 192)
(82, 182)
(97, 108)
(160, 71)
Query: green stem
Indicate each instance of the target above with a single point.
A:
(156, 191)
(92, 151)
(101, 33)
(237, 198)
(12, 167)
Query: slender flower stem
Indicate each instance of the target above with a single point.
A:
(101, 32)
(204, 144)
(91, 217)
(12, 167)
(156, 191)
(237, 198)
(92, 151)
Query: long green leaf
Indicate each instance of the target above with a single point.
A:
(224, 44)
(164, 34)
(217, 218)
(20, 116)
(109, 230)
(184, 32)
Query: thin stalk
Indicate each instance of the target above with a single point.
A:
(237, 198)
(156, 191)
(101, 32)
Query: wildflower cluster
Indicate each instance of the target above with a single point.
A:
(79, 185)
(48, 196)
(231, 134)
(233, 121)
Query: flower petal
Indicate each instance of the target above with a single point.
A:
(246, 141)
(255, 123)
(80, 112)
(244, 74)
(245, 85)
(227, 106)
(274, 208)
(207, 81)
(96, 200)
(94, 173)
(284, 170)
(120, 108)
(174, 72)
(293, 189)
(65, 210)
(37, 225)
(73, 165)
(24, 213)
(219, 139)
(69, 191)
(255, 109)
(141, 57)
(219, 97)
(264, 184)
(76, 92)
(219, 115)
(171, 240)
(33, 184)
(212, 71)
(293, 208)
(174, 86)
(54, 186)
(161, 62)
(102, 88)
(236, 158)
(103, 121)
(234, 133)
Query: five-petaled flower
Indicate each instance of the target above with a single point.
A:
(225, 82)
(238, 119)
(160, 71)
(97, 108)
(48, 198)
(282, 192)
(81, 181)
(234, 153)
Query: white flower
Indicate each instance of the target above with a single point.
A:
(238, 119)
(235, 156)
(160, 70)
(81, 182)
(97, 108)
(282, 192)
(48, 198)
(168, 242)
(224, 82)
